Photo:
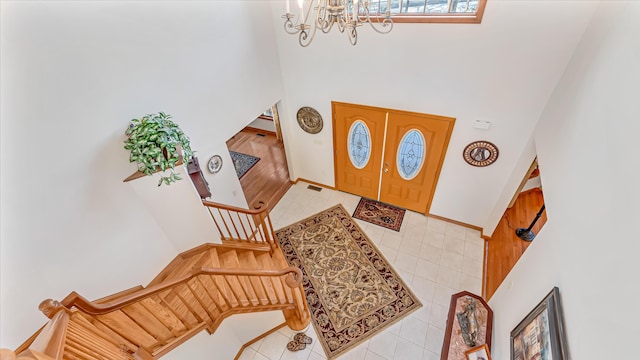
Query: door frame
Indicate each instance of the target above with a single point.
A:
(440, 161)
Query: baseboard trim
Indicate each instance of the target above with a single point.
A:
(258, 338)
(473, 227)
(258, 130)
(314, 183)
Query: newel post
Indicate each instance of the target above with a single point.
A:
(50, 307)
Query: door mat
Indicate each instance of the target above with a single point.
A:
(378, 213)
(243, 162)
(352, 291)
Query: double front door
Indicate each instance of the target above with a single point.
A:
(389, 155)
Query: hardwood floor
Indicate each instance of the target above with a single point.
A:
(268, 180)
(505, 248)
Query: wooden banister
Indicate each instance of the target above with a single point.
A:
(294, 279)
(245, 225)
(196, 291)
(263, 208)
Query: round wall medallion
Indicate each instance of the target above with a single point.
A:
(215, 164)
(309, 120)
(480, 153)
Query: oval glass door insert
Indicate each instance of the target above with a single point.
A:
(411, 154)
(359, 144)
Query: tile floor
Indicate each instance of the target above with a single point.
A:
(435, 258)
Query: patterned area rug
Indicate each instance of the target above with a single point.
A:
(242, 162)
(378, 213)
(352, 291)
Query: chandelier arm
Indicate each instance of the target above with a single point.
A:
(382, 27)
(289, 26)
(352, 34)
(304, 39)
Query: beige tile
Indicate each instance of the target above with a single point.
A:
(434, 238)
(472, 267)
(357, 353)
(411, 245)
(474, 249)
(373, 356)
(388, 253)
(429, 355)
(273, 346)
(435, 338)
(471, 284)
(316, 356)
(448, 277)
(439, 315)
(424, 312)
(442, 295)
(423, 288)
(391, 240)
(456, 231)
(405, 262)
(451, 260)
(259, 356)
(436, 225)
(384, 344)
(248, 354)
(427, 269)
(413, 330)
(406, 350)
(431, 253)
(453, 245)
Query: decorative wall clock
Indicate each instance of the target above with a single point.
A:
(309, 120)
(480, 153)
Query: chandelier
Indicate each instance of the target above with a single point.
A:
(346, 15)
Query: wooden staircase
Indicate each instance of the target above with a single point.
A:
(195, 292)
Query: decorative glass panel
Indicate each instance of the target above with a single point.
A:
(423, 7)
(411, 152)
(359, 144)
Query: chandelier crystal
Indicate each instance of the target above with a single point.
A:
(346, 15)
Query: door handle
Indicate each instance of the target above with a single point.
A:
(386, 170)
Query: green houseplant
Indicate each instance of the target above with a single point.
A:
(156, 144)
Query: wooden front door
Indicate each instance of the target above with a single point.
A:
(405, 155)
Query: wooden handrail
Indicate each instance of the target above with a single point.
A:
(76, 300)
(257, 211)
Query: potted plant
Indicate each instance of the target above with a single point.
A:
(156, 144)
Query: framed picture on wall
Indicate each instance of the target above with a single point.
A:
(478, 353)
(540, 335)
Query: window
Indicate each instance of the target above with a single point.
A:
(411, 153)
(444, 11)
(359, 145)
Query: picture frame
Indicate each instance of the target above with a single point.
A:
(540, 335)
(480, 352)
(457, 339)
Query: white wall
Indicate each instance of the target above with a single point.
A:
(502, 71)
(73, 75)
(589, 247)
(262, 124)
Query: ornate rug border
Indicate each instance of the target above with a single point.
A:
(416, 306)
(360, 204)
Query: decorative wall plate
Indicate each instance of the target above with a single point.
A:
(309, 120)
(215, 164)
(480, 153)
